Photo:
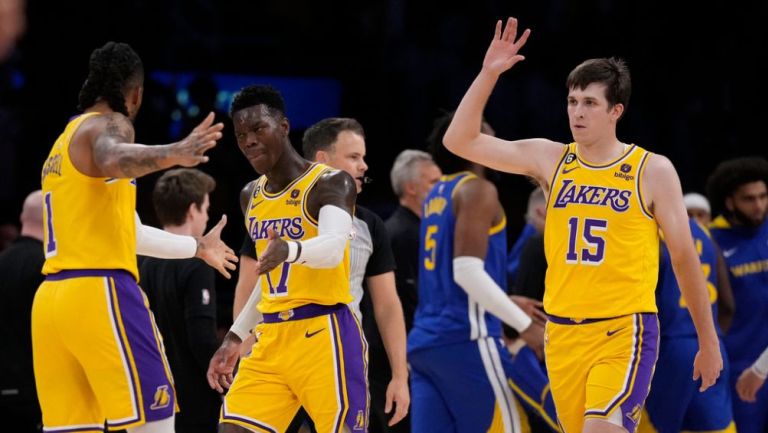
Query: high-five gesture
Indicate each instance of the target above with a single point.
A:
(502, 54)
(191, 150)
(212, 250)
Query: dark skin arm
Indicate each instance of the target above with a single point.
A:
(103, 147)
(335, 188)
(477, 209)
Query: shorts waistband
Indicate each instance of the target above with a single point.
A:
(571, 321)
(304, 312)
(80, 273)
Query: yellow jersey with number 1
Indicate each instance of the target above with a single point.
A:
(600, 239)
(89, 222)
(292, 285)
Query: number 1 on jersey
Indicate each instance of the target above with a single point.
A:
(50, 239)
(282, 286)
(595, 251)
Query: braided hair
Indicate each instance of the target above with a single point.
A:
(111, 69)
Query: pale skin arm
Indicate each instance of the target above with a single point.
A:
(531, 157)
(104, 147)
(389, 319)
(749, 383)
(664, 192)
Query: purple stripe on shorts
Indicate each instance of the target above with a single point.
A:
(354, 350)
(250, 422)
(80, 273)
(568, 321)
(647, 350)
(335, 331)
(72, 430)
(154, 384)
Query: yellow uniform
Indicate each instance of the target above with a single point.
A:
(310, 351)
(98, 357)
(602, 248)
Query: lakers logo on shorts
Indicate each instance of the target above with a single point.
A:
(634, 416)
(360, 422)
(162, 398)
(286, 315)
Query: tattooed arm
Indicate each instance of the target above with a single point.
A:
(104, 147)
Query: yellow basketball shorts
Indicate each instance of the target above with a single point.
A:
(98, 356)
(313, 356)
(601, 368)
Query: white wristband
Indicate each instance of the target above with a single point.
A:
(760, 367)
(293, 251)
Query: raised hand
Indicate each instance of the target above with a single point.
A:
(215, 252)
(502, 54)
(221, 369)
(275, 253)
(190, 151)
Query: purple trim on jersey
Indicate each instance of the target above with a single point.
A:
(644, 356)
(304, 312)
(82, 273)
(354, 350)
(149, 361)
(568, 321)
(639, 188)
(628, 152)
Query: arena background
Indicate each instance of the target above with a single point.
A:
(699, 72)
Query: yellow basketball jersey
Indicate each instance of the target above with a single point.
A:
(600, 240)
(89, 222)
(292, 285)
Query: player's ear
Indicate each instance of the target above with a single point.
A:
(322, 157)
(285, 126)
(617, 111)
(729, 204)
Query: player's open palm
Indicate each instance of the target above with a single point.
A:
(275, 253)
(502, 54)
(707, 365)
(190, 151)
(215, 252)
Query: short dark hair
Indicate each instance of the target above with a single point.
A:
(176, 190)
(612, 72)
(254, 94)
(731, 174)
(445, 159)
(324, 133)
(111, 70)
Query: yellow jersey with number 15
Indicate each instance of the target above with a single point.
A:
(89, 222)
(292, 285)
(600, 239)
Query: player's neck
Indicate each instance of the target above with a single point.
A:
(290, 166)
(99, 106)
(601, 151)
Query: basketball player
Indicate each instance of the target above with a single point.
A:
(310, 350)
(340, 143)
(739, 187)
(454, 347)
(673, 404)
(97, 354)
(607, 200)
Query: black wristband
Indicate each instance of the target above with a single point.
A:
(298, 252)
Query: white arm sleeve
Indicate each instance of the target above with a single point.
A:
(334, 229)
(161, 244)
(250, 316)
(469, 273)
(760, 367)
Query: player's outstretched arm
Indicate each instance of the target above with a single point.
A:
(105, 148)
(533, 157)
(665, 194)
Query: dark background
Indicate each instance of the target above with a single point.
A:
(698, 77)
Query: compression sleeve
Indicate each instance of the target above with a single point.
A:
(469, 273)
(158, 243)
(334, 229)
(760, 367)
(249, 316)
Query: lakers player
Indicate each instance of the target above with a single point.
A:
(98, 358)
(310, 350)
(606, 202)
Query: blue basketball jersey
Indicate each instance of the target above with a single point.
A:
(745, 250)
(445, 314)
(674, 318)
